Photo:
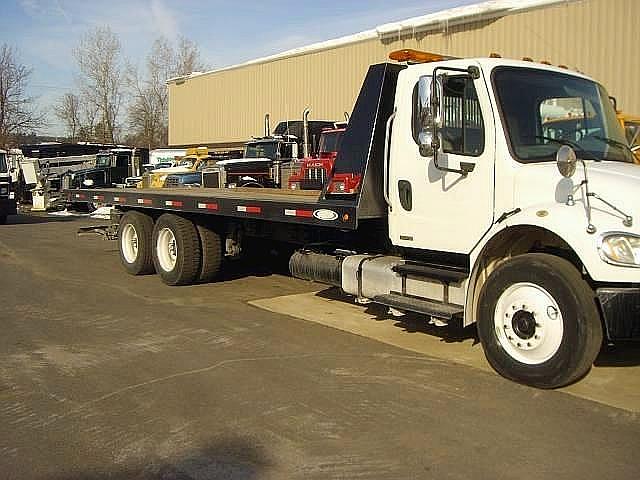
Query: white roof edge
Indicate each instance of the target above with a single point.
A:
(449, 17)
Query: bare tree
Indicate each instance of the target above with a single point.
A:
(69, 111)
(148, 110)
(187, 58)
(102, 80)
(17, 114)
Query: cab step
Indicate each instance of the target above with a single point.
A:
(445, 274)
(445, 311)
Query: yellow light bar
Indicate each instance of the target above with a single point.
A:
(416, 56)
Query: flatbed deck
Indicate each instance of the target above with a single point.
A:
(288, 206)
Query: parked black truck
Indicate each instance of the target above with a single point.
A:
(113, 167)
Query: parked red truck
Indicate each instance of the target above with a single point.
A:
(315, 171)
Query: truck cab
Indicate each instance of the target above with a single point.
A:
(261, 155)
(314, 172)
(112, 167)
(495, 215)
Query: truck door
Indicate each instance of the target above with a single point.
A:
(434, 209)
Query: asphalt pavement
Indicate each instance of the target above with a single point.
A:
(108, 376)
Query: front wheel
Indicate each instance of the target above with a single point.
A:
(538, 321)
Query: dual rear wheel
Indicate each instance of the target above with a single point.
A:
(178, 250)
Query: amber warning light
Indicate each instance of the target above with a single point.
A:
(416, 56)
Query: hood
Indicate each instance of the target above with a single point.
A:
(614, 182)
(172, 170)
(86, 171)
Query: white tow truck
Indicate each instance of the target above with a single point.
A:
(450, 197)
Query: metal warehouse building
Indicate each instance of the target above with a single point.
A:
(224, 107)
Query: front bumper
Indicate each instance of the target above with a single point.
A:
(7, 206)
(621, 311)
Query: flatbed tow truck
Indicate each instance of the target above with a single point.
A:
(447, 200)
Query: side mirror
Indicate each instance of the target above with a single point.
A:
(428, 139)
(566, 160)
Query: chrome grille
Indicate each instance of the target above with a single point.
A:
(318, 174)
(172, 182)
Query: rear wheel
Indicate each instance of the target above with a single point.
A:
(134, 242)
(176, 250)
(538, 321)
(211, 248)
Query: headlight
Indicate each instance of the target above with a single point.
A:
(620, 249)
(4, 190)
(88, 182)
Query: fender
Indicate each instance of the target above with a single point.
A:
(553, 225)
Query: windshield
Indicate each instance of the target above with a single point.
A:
(3, 163)
(261, 150)
(330, 142)
(103, 160)
(543, 110)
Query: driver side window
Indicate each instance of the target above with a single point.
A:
(462, 124)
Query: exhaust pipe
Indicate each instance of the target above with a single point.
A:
(305, 118)
(267, 126)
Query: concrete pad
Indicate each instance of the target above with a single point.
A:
(613, 381)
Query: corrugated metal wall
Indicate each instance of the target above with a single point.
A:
(597, 37)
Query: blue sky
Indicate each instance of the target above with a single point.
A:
(227, 32)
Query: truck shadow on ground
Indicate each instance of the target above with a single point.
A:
(622, 355)
(411, 322)
(233, 458)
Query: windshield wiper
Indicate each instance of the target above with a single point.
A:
(569, 143)
(614, 143)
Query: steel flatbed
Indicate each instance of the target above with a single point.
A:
(287, 206)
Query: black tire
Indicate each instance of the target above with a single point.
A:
(567, 350)
(211, 249)
(186, 243)
(142, 225)
(3, 219)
